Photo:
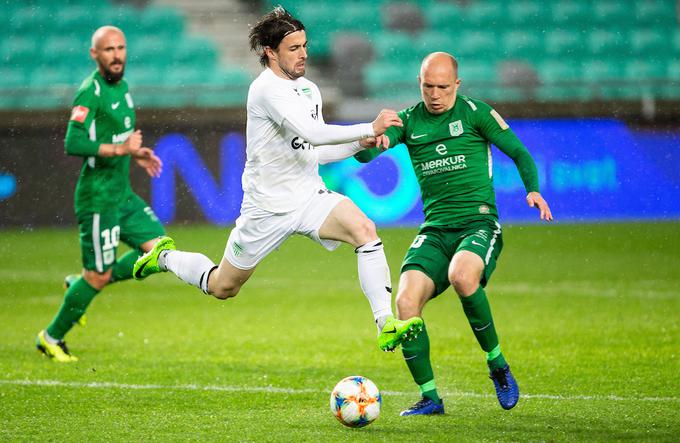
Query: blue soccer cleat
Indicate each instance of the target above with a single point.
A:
(425, 406)
(507, 390)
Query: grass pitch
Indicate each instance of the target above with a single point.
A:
(587, 315)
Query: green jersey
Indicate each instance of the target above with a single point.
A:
(102, 113)
(451, 156)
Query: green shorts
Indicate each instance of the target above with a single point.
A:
(433, 248)
(134, 223)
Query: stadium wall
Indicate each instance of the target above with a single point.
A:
(590, 170)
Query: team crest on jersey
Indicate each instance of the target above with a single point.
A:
(79, 113)
(456, 128)
(484, 209)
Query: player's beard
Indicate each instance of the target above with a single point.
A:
(291, 73)
(113, 77)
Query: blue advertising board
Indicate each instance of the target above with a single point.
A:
(589, 170)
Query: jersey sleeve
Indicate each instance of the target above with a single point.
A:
(492, 127)
(78, 141)
(394, 133)
(334, 153)
(284, 108)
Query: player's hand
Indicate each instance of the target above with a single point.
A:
(535, 200)
(149, 161)
(382, 142)
(133, 142)
(384, 120)
(367, 143)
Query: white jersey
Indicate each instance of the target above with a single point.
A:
(284, 124)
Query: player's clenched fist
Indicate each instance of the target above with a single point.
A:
(133, 142)
(385, 119)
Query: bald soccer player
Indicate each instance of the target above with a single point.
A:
(448, 137)
(102, 131)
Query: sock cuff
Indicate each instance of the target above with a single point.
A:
(49, 339)
(203, 283)
(371, 246)
(495, 352)
(427, 386)
(474, 298)
(161, 259)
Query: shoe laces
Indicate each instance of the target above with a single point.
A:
(62, 345)
(420, 403)
(500, 376)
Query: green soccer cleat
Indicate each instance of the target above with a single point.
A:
(147, 264)
(68, 281)
(395, 332)
(56, 351)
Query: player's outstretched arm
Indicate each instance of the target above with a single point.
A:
(318, 133)
(364, 150)
(335, 153)
(536, 200)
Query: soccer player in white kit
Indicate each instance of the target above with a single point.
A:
(283, 193)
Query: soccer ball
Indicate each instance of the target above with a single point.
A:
(355, 401)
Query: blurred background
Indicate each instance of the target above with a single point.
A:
(591, 86)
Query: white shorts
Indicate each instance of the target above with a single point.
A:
(259, 232)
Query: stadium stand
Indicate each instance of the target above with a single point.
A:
(576, 50)
(562, 51)
(44, 54)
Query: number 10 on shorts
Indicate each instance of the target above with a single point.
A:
(111, 239)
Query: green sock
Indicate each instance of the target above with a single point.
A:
(77, 298)
(495, 359)
(478, 312)
(122, 270)
(417, 356)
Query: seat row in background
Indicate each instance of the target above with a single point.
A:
(563, 50)
(44, 55)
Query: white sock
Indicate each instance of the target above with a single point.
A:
(380, 321)
(190, 267)
(374, 276)
(49, 339)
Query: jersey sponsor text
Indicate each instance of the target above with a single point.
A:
(120, 138)
(438, 166)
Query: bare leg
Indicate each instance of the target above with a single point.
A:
(226, 281)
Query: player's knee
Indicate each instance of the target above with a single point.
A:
(96, 279)
(365, 231)
(464, 282)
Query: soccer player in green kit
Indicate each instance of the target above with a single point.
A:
(102, 131)
(448, 137)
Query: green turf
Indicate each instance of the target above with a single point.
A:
(587, 314)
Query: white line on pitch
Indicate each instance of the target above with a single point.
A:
(277, 390)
